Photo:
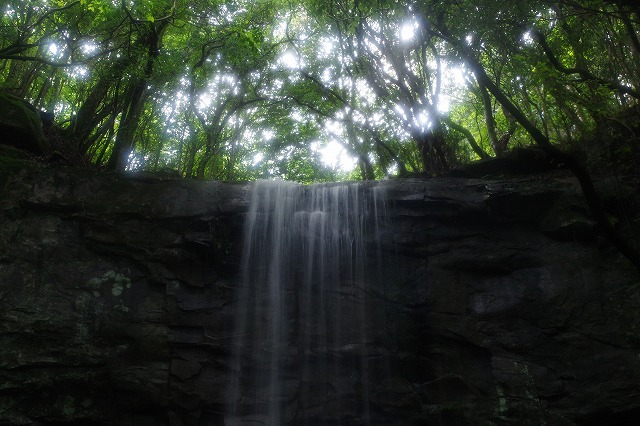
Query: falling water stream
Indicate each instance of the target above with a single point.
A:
(306, 306)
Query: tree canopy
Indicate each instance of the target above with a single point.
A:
(240, 89)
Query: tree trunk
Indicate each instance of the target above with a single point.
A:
(123, 145)
(87, 117)
(430, 146)
(490, 121)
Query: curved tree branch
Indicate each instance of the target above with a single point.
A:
(467, 134)
(584, 74)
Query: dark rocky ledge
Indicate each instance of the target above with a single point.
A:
(505, 304)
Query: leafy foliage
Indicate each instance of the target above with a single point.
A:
(237, 89)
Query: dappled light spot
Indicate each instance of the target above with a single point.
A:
(290, 60)
(408, 31)
(527, 38)
(334, 155)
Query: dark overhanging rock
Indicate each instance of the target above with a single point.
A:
(516, 161)
(504, 303)
(21, 125)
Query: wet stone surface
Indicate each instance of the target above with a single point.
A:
(501, 304)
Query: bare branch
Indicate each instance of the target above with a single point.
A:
(56, 64)
(52, 11)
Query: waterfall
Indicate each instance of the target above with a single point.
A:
(307, 306)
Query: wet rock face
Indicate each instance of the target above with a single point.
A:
(502, 305)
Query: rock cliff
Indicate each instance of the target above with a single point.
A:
(503, 303)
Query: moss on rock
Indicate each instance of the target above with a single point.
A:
(21, 126)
